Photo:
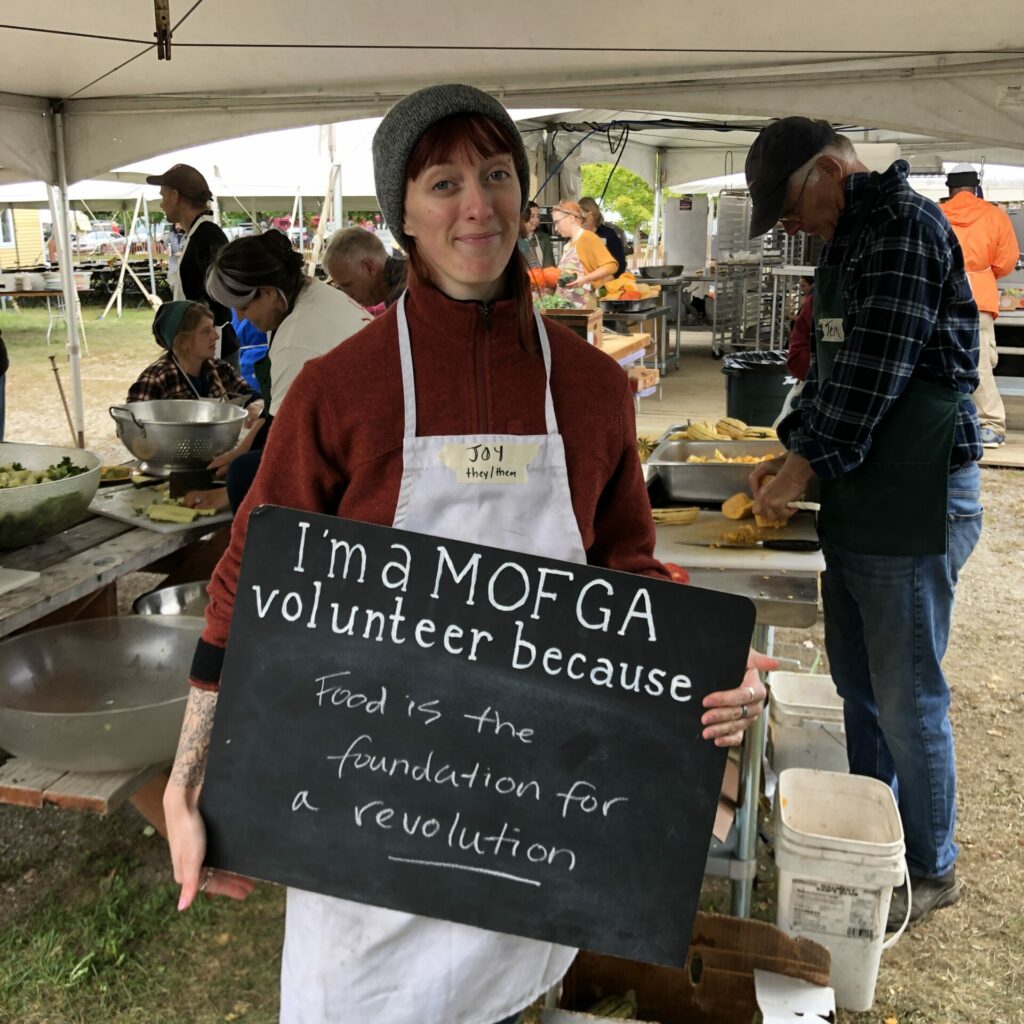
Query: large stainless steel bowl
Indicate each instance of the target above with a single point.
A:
(99, 695)
(181, 599)
(36, 511)
(667, 270)
(179, 433)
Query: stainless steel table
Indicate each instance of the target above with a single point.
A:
(659, 317)
(672, 288)
(782, 597)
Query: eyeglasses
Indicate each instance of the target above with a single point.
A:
(790, 215)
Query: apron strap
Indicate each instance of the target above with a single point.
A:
(550, 424)
(409, 378)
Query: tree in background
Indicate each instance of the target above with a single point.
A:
(628, 194)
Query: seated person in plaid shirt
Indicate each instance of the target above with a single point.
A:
(886, 427)
(188, 369)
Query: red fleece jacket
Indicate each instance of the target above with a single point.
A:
(336, 446)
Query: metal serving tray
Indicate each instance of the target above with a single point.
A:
(707, 482)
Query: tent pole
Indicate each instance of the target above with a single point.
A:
(62, 214)
(655, 237)
(318, 238)
(116, 297)
(339, 212)
(149, 246)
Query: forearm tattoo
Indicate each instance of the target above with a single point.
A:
(194, 743)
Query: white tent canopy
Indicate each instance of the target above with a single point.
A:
(239, 68)
(82, 90)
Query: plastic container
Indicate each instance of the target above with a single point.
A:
(805, 723)
(839, 852)
(756, 386)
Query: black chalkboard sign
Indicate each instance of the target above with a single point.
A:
(461, 732)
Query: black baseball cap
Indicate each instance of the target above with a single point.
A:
(777, 152)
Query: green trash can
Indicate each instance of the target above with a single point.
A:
(756, 386)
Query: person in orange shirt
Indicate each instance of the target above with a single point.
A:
(586, 261)
(991, 251)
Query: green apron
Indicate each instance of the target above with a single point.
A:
(261, 371)
(894, 502)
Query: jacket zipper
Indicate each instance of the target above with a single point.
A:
(480, 360)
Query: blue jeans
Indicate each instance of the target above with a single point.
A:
(886, 630)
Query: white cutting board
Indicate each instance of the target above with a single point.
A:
(711, 525)
(670, 546)
(124, 502)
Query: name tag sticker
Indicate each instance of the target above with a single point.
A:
(832, 329)
(503, 463)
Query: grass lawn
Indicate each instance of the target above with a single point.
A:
(119, 349)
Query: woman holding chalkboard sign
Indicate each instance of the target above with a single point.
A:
(389, 429)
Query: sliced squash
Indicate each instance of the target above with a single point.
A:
(739, 506)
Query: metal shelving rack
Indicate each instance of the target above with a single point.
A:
(799, 256)
(744, 284)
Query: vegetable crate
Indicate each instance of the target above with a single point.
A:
(587, 323)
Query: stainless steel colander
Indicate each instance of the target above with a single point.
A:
(178, 433)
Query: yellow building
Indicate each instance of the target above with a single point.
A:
(21, 237)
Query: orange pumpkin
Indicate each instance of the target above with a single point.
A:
(537, 277)
(551, 275)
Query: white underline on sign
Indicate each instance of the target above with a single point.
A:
(465, 867)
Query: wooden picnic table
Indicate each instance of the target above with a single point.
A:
(78, 573)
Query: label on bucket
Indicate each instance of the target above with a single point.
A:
(830, 908)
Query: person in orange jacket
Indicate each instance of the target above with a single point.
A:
(991, 251)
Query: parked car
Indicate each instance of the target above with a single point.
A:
(234, 231)
(98, 242)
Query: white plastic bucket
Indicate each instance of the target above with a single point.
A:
(805, 723)
(839, 853)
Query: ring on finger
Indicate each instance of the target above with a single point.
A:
(206, 880)
(743, 711)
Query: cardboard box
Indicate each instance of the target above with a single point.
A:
(587, 323)
(642, 377)
(715, 987)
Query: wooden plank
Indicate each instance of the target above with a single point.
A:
(22, 782)
(100, 792)
(85, 534)
(85, 572)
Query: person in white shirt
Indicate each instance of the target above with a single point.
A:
(263, 279)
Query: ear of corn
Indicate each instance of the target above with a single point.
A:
(674, 516)
(617, 1007)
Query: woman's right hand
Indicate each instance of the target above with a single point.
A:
(221, 462)
(186, 835)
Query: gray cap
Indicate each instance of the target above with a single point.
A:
(404, 125)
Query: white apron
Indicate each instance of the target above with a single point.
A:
(175, 279)
(348, 963)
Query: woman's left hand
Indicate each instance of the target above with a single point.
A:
(731, 712)
(216, 499)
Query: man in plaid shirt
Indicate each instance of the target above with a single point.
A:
(886, 429)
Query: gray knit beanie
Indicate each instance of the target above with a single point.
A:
(404, 125)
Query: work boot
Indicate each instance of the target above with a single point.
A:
(927, 894)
